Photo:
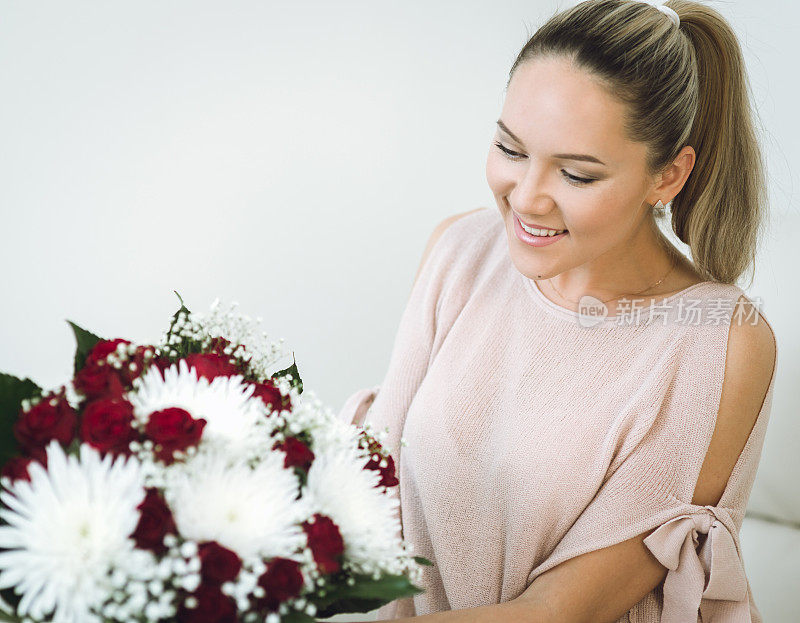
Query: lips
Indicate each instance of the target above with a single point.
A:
(535, 226)
(534, 240)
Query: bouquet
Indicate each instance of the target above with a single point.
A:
(184, 481)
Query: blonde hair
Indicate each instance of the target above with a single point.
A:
(683, 85)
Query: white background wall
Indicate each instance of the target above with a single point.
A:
(293, 157)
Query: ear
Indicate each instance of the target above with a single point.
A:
(673, 177)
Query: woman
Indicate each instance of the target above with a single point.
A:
(583, 413)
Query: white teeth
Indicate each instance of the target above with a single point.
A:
(541, 232)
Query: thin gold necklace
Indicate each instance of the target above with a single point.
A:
(674, 263)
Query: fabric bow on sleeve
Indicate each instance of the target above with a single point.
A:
(711, 580)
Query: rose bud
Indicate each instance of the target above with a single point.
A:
(155, 522)
(218, 564)
(325, 542)
(211, 365)
(281, 581)
(213, 606)
(173, 429)
(107, 425)
(52, 418)
(272, 396)
(16, 468)
(298, 454)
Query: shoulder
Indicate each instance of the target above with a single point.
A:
(749, 369)
(751, 352)
(445, 224)
(438, 232)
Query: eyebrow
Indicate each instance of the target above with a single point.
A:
(582, 157)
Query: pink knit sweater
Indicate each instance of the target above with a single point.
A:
(529, 438)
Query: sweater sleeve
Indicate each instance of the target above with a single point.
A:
(418, 332)
(412, 352)
(649, 489)
(357, 404)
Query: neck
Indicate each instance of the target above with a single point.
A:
(637, 267)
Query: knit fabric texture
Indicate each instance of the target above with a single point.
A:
(529, 438)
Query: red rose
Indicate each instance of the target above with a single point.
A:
(103, 349)
(211, 365)
(52, 418)
(213, 606)
(173, 429)
(281, 581)
(219, 344)
(218, 564)
(107, 425)
(97, 380)
(16, 468)
(162, 363)
(155, 522)
(272, 396)
(133, 365)
(325, 542)
(297, 453)
(388, 478)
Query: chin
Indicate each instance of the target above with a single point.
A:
(523, 262)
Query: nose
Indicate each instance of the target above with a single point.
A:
(530, 195)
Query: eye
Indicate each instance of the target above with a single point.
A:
(512, 155)
(571, 179)
(577, 181)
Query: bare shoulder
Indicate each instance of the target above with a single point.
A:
(749, 367)
(437, 233)
(752, 348)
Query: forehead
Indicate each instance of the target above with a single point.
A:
(554, 106)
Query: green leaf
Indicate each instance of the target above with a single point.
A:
(183, 310)
(13, 391)
(8, 617)
(85, 341)
(5, 617)
(293, 616)
(423, 561)
(296, 381)
(9, 602)
(365, 595)
(183, 307)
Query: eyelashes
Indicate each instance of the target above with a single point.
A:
(572, 179)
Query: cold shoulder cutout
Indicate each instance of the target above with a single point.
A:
(531, 438)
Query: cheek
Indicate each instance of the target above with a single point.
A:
(499, 175)
(597, 214)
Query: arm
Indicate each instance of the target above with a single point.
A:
(602, 585)
(515, 611)
(361, 410)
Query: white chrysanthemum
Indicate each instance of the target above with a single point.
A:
(65, 529)
(250, 510)
(226, 403)
(367, 518)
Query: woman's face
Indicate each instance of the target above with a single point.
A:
(556, 114)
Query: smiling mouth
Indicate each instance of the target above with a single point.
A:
(541, 232)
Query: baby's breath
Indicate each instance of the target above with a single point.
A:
(248, 345)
